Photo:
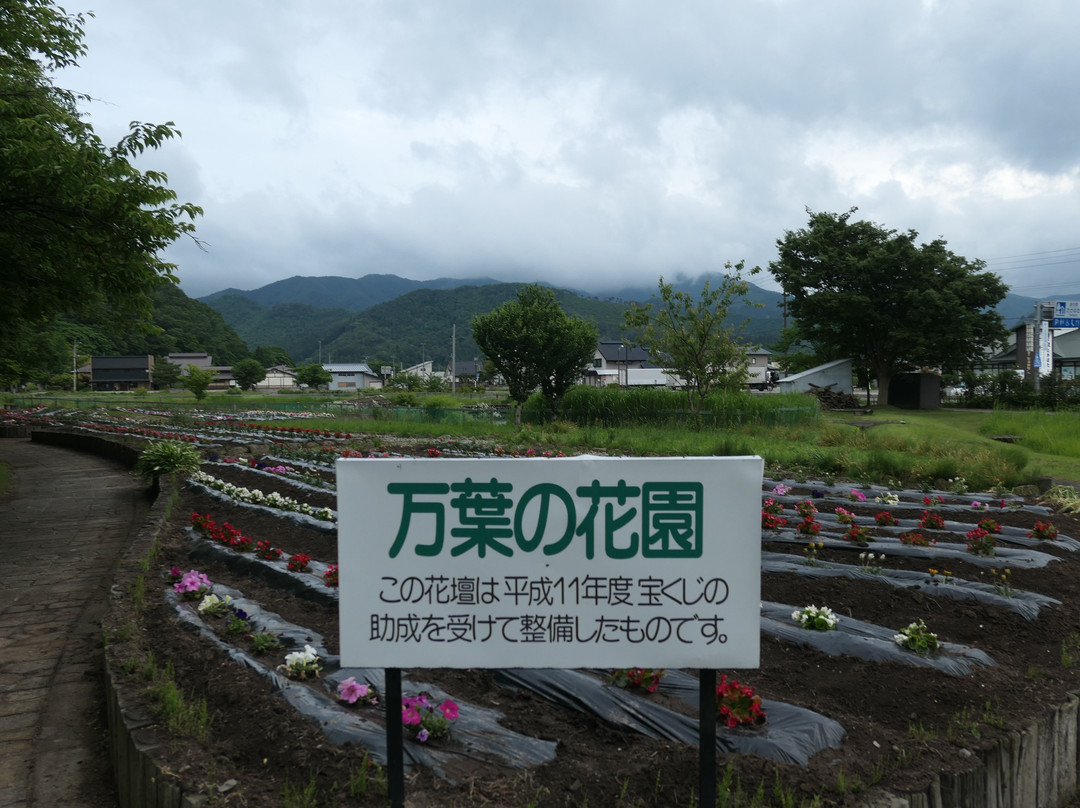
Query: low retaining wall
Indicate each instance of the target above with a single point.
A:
(136, 757)
(92, 444)
(1035, 768)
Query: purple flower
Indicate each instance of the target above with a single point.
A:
(422, 735)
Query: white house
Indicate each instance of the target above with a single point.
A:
(352, 376)
(278, 377)
(615, 363)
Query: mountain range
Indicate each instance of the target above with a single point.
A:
(390, 319)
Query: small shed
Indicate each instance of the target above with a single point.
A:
(915, 391)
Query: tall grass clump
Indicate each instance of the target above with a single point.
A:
(1051, 433)
(730, 409)
(617, 407)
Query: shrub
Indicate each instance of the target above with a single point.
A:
(167, 457)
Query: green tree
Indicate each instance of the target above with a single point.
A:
(197, 381)
(859, 290)
(313, 375)
(80, 225)
(166, 374)
(272, 355)
(693, 337)
(533, 343)
(248, 373)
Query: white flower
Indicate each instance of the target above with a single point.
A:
(305, 657)
(209, 602)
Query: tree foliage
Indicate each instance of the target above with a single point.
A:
(248, 373)
(856, 289)
(695, 337)
(166, 374)
(272, 355)
(533, 343)
(80, 227)
(313, 375)
(197, 381)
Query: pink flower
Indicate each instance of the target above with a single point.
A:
(192, 581)
(449, 710)
(349, 690)
(410, 715)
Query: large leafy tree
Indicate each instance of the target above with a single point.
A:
(314, 376)
(696, 337)
(860, 290)
(533, 343)
(80, 227)
(248, 373)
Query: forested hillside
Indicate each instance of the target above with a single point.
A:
(181, 324)
(353, 294)
(420, 324)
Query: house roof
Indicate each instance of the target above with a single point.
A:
(614, 351)
(349, 367)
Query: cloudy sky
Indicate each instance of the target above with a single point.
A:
(595, 143)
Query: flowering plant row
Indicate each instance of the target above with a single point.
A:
(981, 542)
(816, 618)
(931, 521)
(916, 637)
(241, 426)
(738, 705)
(645, 678)
(1043, 530)
(302, 664)
(425, 721)
(231, 537)
(256, 497)
(352, 692)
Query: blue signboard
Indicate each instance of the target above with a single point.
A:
(1066, 314)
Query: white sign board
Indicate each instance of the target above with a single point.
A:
(1066, 314)
(550, 563)
(1046, 349)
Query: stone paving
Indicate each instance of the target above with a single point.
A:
(65, 520)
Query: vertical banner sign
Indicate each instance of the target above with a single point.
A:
(550, 563)
(1046, 349)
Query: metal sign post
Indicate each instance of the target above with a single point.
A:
(395, 756)
(707, 736)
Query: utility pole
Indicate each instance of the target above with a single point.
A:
(74, 365)
(453, 360)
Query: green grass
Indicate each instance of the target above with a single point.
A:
(183, 715)
(916, 448)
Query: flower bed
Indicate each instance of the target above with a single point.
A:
(594, 758)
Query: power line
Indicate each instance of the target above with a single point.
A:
(1027, 255)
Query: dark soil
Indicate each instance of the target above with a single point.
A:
(903, 723)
